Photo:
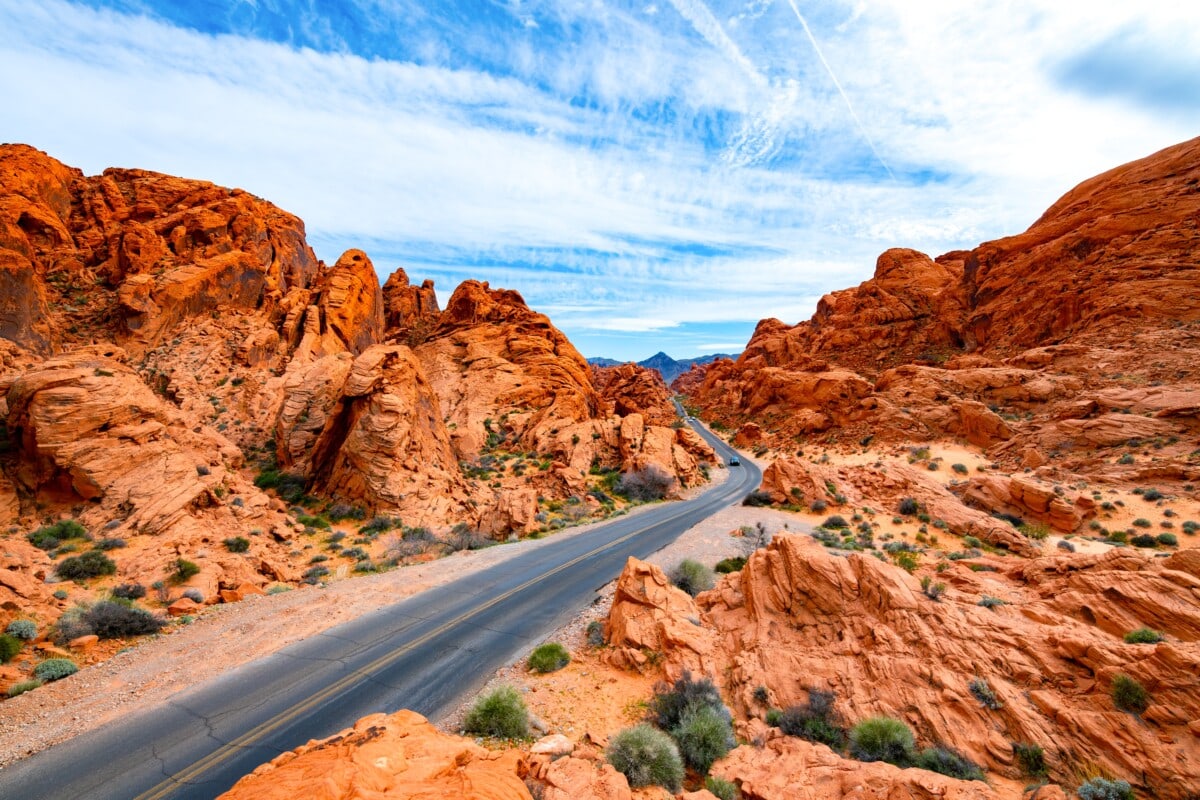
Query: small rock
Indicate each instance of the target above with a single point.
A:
(554, 745)
(83, 644)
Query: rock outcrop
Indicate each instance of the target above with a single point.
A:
(397, 755)
(798, 618)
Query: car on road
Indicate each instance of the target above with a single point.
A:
(734, 461)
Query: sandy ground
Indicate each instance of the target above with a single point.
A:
(149, 671)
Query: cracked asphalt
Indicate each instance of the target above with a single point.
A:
(424, 653)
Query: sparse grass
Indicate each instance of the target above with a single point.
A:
(1143, 636)
(500, 713)
(982, 691)
(548, 657)
(23, 687)
(882, 739)
(1129, 696)
(9, 647)
(646, 757)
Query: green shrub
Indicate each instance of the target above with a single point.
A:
(1190, 527)
(987, 601)
(595, 633)
(1143, 636)
(49, 536)
(949, 762)
(982, 691)
(1167, 540)
(1035, 530)
(500, 713)
(1031, 758)
(882, 739)
(288, 486)
(645, 485)
(905, 560)
(704, 735)
(1141, 522)
(835, 523)
(9, 647)
(549, 657)
(671, 703)
(112, 620)
(972, 541)
(757, 499)
(91, 564)
(60, 594)
(961, 469)
(774, 717)
(1152, 495)
(646, 757)
(237, 544)
(721, 788)
(129, 591)
(693, 577)
(816, 720)
(313, 521)
(111, 544)
(23, 687)
(184, 570)
(1104, 789)
(728, 565)
(22, 629)
(1144, 540)
(53, 669)
(908, 506)
(817, 506)
(379, 525)
(1129, 695)
(932, 590)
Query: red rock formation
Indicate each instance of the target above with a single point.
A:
(630, 389)
(797, 617)
(410, 312)
(382, 756)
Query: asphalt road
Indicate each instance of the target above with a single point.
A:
(424, 653)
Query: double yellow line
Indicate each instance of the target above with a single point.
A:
(226, 751)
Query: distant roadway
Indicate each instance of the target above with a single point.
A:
(425, 653)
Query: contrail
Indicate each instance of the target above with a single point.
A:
(702, 19)
(861, 129)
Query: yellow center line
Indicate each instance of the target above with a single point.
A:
(227, 750)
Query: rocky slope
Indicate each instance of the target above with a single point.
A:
(1022, 343)
(169, 349)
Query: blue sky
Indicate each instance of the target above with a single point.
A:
(654, 175)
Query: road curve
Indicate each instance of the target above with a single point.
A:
(423, 653)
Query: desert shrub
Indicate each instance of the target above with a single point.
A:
(22, 629)
(835, 523)
(961, 469)
(129, 591)
(1035, 530)
(378, 525)
(72, 625)
(60, 594)
(23, 687)
(1119, 537)
(463, 537)
(816, 720)
(703, 735)
(111, 544)
(671, 703)
(315, 521)
(882, 739)
(1190, 527)
(818, 506)
(183, 570)
(908, 506)
(1031, 758)
(1143, 636)
(287, 485)
(1152, 495)
(195, 595)
(945, 761)
(1143, 540)
(340, 511)
(111, 620)
(727, 565)
(548, 657)
(9, 647)
(91, 564)
(237, 544)
(1167, 540)
(1129, 695)
(500, 713)
(757, 499)
(906, 560)
(721, 788)
(595, 633)
(1104, 789)
(1063, 544)
(313, 575)
(53, 669)
(982, 691)
(932, 590)
(49, 537)
(644, 485)
(774, 717)
(693, 577)
(1142, 522)
(646, 757)
(987, 601)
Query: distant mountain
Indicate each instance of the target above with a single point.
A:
(668, 367)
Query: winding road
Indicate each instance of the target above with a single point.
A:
(424, 653)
